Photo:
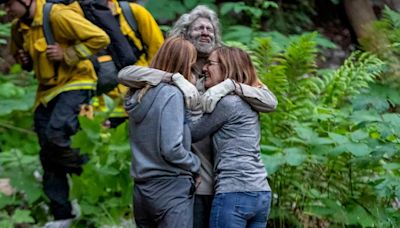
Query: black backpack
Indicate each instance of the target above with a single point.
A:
(122, 51)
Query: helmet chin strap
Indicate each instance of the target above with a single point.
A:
(27, 9)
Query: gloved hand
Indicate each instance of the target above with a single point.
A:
(211, 97)
(192, 96)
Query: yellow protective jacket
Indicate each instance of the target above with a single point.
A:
(151, 36)
(78, 37)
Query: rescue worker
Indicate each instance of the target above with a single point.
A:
(66, 79)
(144, 48)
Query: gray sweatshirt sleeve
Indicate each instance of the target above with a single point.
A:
(172, 130)
(210, 122)
(260, 99)
(138, 77)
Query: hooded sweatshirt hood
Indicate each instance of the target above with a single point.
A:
(159, 135)
(138, 110)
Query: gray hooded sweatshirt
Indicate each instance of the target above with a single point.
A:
(159, 135)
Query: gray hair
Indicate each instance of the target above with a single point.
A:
(182, 25)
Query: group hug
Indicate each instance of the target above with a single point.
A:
(195, 132)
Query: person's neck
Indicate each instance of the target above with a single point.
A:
(28, 18)
(198, 66)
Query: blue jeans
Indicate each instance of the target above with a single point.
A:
(240, 209)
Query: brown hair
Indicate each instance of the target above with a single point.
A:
(176, 55)
(236, 64)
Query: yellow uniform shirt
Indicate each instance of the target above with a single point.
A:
(73, 33)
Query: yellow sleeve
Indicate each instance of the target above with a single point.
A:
(149, 30)
(87, 38)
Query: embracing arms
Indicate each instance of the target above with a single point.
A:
(260, 99)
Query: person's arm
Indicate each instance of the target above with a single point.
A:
(171, 143)
(149, 30)
(260, 99)
(211, 122)
(138, 77)
(86, 38)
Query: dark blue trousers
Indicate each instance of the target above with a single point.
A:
(55, 123)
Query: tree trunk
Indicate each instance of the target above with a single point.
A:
(361, 15)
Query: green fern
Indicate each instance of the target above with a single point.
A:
(358, 70)
(300, 57)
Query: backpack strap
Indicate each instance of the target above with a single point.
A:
(47, 30)
(130, 18)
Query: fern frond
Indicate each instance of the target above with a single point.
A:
(300, 57)
(355, 74)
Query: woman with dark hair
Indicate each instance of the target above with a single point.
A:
(163, 167)
(242, 193)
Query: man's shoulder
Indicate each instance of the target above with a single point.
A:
(61, 11)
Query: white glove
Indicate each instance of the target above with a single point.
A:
(190, 92)
(211, 97)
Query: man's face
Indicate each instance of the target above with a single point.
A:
(15, 9)
(202, 35)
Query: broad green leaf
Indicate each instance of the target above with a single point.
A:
(83, 142)
(306, 133)
(227, 7)
(190, 3)
(89, 209)
(6, 223)
(267, 4)
(22, 216)
(90, 127)
(357, 215)
(15, 69)
(7, 200)
(359, 135)
(295, 156)
(273, 162)
(320, 141)
(365, 116)
(166, 10)
(387, 150)
(338, 139)
(393, 119)
(267, 149)
(392, 166)
(238, 33)
(358, 149)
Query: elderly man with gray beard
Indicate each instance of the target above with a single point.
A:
(201, 28)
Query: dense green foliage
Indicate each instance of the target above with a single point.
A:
(332, 153)
(331, 148)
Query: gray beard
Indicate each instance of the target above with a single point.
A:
(204, 48)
